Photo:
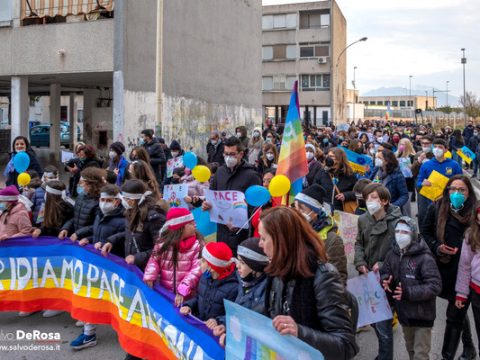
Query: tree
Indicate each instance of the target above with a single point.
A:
(471, 104)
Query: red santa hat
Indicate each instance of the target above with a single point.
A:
(219, 257)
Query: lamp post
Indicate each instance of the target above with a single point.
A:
(334, 102)
(464, 61)
(447, 93)
(426, 101)
(354, 92)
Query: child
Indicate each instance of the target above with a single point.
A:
(251, 263)
(217, 283)
(175, 259)
(109, 221)
(35, 182)
(14, 216)
(468, 277)
(410, 276)
(38, 198)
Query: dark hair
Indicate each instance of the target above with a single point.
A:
(95, 178)
(88, 150)
(360, 185)
(427, 137)
(439, 141)
(28, 147)
(391, 162)
(137, 215)
(110, 189)
(296, 245)
(143, 171)
(473, 232)
(51, 169)
(147, 133)
(381, 190)
(33, 174)
(141, 154)
(111, 177)
(272, 171)
(55, 206)
(234, 141)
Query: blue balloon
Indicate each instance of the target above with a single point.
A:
(21, 161)
(190, 160)
(257, 195)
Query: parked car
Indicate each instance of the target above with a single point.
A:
(40, 136)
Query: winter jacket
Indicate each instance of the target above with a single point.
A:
(395, 183)
(67, 214)
(105, 226)
(314, 167)
(468, 132)
(448, 167)
(122, 167)
(328, 232)
(320, 307)
(416, 165)
(140, 243)
(262, 166)
(473, 143)
(251, 296)
(468, 271)
(415, 268)
(254, 148)
(157, 158)
(375, 238)
(240, 179)
(187, 273)
(84, 212)
(215, 153)
(16, 221)
(12, 175)
(345, 185)
(454, 233)
(208, 303)
(38, 199)
(81, 164)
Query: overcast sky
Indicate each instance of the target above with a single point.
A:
(422, 38)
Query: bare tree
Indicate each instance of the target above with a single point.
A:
(471, 104)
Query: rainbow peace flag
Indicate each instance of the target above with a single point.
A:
(292, 161)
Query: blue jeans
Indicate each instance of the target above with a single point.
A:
(384, 332)
(475, 167)
(423, 203)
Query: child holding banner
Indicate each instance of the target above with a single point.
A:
(175, 260)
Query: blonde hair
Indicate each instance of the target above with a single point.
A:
(409, 150)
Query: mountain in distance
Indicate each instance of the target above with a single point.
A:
(419, 91)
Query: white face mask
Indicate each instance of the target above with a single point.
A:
(372, 151)
(403, 240)
(270, 157)
(239, 134)
(107, 207)
(214, 142)
(380, 139)
(174, 154)
(125, 205)
(373, 206)
(438, 153)
(310, 155)
(378, 162)
(112, 155)
(269, 139)
(231, 161)
(256, 134)
(427, 149)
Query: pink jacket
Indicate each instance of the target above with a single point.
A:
(468, 271)
(16, 222)
(188, 267)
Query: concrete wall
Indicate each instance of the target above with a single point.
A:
(339, 42)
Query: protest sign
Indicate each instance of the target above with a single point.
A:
(466, 154)
(347, 229)
(46, 273)
(66, 156)
(372, 301)
(251, 336)
(173, 164)
(175, 195)
(435, 191)
(228, 208)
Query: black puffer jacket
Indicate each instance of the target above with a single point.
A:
(314, 167)
(67, 214)
(240, 179)
(320, 306)
(157, 158)
(215, 153)
(416, 270)
(140, 243)
(84, 212)
(208, 303)
(104, 227)
(345, 186)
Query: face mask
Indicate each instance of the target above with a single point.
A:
(427, 149)
(309, 155)
(307, 217)
(329, 162)
(401, 147)
(373, 206)
(270, 157)
(22, 150)
(378, 162)
(214, 142)
(372, 151)
(438, 153)
(3, 207)
(403, 240)
(174, 153)
(380, 139)
(325, 141)
(125, 204)
(239, 134)
(175, 181)
(475, 133)
(142, 142)
(107, 207)
(256, 134)
(457, 200)
(80, 190)
(396, 140)
(133, 158)
(112, 155)
(269, 139)
(231, 161)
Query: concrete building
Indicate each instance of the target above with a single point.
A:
(399, 102)
(355, 110)
(304, 42)
(211, 74)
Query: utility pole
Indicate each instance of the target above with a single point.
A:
(159, 66)
(447, 92)
(354, 93)
(464, 61)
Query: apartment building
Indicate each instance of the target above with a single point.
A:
(304, 42)
(399, 102)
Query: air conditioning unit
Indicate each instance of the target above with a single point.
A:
(322, 60)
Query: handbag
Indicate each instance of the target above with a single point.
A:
(348, 206)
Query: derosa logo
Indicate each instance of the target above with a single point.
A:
(33, 335)
(9, 336)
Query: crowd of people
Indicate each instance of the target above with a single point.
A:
(290, 263)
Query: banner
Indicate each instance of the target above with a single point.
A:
(358, 162)
(175, 195)
(252, 336)
(372, 301)
(173, 164)
(347, 229)
(466, 154)
(207, 228)
(435, 191)
(228, 208)
(47, 273)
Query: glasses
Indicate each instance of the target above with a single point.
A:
(460, 190)
(426, 143)
(230, 154)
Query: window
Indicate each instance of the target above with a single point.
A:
(290, 81)
(279, 52)
(402, 103)
(267, 53)
(291, 21)
(281, 21)
(372, 103)
(291, 51)
(410, 103)
(314, 50)
(6, 10)
(267, 22)
(394, 103)
(314, 19)
(315, 82)
(306, 51)
(379, 102)
(267, 83)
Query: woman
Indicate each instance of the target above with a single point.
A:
(139, 153)
(406, 155)
(456, 143)
(255, 146)
(118, 164)
(337, 179)
(87, 157)
(298, 266)
(443, 229)
(314, 166)
(21, 144)
(387, 172)
(141, 170)
(364, 138)
(268, 159)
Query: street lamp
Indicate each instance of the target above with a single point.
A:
(354, 92)
(336, 73)
(464, 61)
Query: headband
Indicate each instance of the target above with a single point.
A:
(403, 227)
(141, 197)
(245, 252)
(49, 174)
(309, 201)
(104, 195)
(310, 146)
(61, 193)
(214, 261)
(8, 198)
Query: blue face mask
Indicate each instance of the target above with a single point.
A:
(457, 200)
(80, 190)
(142, 142)
(3, 207)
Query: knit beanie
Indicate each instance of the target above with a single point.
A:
(9, 194)
(118, 147)
(252, 254)
(218, 256)
(177, 218)
(312, 197)
(175, 146)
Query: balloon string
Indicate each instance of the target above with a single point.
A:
(250, 218)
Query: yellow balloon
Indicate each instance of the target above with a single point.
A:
(23, 179)
(201, 173)
(279, 186)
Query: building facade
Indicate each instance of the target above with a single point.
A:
(399, 102)
(105, 51)
(304, 42)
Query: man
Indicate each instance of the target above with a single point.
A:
(468, 132)
(439, 163)
(376, 233)
(236, 174)
(215, 149)
(473, 146)
(156, 153)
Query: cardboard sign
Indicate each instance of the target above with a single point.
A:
(347, 229)
(175, 194)
(228, 208)
(173, 164)
(435, 191)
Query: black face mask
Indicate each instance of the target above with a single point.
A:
(175, 181)
(133, 158)
(329, 162)
(361, 204)
(359, 150)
